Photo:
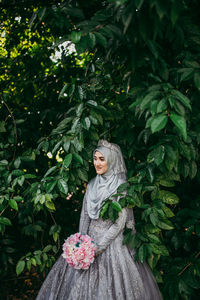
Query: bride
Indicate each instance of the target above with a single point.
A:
(114, 275)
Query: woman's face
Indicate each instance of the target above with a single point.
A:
(100, 163)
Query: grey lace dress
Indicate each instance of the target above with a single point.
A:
(114, 275)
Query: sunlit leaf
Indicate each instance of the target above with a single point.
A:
(20, 267)
(180, 122)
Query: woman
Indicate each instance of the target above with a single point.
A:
(114, 275)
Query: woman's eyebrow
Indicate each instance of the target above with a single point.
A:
(99, 156)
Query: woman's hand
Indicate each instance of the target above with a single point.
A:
(98, 252)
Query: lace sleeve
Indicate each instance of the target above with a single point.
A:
(84, 218)
(113, 231)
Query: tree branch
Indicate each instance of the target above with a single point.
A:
(188, 265)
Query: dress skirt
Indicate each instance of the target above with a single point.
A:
(114, 275)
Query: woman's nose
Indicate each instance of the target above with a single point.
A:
(97, 163)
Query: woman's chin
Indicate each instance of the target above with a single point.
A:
(99, 172)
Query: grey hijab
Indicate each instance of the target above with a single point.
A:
(103, 186)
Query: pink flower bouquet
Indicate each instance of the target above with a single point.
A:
(79, 251)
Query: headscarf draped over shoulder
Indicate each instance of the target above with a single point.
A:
(103, 186)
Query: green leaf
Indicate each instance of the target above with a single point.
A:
(154, 105)
(20, 180)
(20, 267)
(111, 213)
(168, 212)
(161, 8)
(48, 203)
(153, 238)
(91, 40)
(79, 109)
(66, 146)
(184, 288)
(86, 123)
(179, 108)
(80, 92)
(62, 92)
(184, 150)
(166, 182)
(67, 160)
(169, 162)
(133, 241)
(157, 155)
(171, 101)
(47, 248)
(63, 187)
(141, 253)
(56, 147)
(48, 197)
(33, 261)
(116, 206)
(93, 120)
(55, 236)
(2, 126)
(17, 162)
(3, 162)
(83, 175)
(28, 264)
(75, 36)
(50, 171)
(13, 204)
(162, 106)
(76, 124)
(78, 143)
(91, 103)
(127, 21)
(158, 123)
(185, 169)
(5, 221)
(185, 100)
(148, 98)
(75, 12)
(180, 123)
(138, 3)
(187, 73)
(101, 39)
(152, 47)
(127, 237)
(175, 11)
(160, 249)
(193, 169)
(97, 116)
(78, 158)
(167, 225)
(123, 187)
(154, 219)
(49, 186)
(104, 209)
(150, 174)
(192, 63)
(168, 197)
(151, 228)
(197, 80)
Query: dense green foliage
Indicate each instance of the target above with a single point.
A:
(134, 79)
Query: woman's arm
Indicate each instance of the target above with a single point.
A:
(84, 218)
(112, 232)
